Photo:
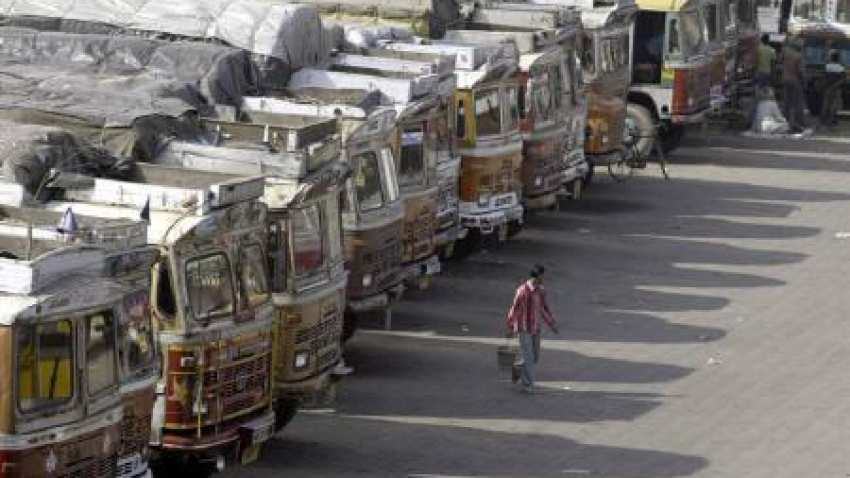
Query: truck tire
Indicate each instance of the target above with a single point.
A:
(284, 412)
(349, 324)
(640, 123)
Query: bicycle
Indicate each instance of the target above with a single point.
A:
(631, 157)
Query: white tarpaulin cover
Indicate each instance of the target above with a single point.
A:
(289, 33)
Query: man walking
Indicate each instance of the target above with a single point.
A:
(765, 62)
(524, 317)
(792, 87)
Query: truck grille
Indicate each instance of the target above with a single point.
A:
(135, 433)
(330, 325)
(92, 468)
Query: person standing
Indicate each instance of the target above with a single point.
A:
(765, 62)
(834, 79)
(792, 87)
(528, 309)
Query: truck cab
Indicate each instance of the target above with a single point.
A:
(371, 205)
(487, 136)
(304, 181)
(671, 72)
(552, 103)
(78, 350)
(210, 300)
(410, 89)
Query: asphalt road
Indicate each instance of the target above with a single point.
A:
(704, 333)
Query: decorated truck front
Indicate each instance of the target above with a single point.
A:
(79, 358)
(552, 103)
(210, 299)
(487, 135)
(304, 179)
(671, 72)
(412, 94)
(371, 206)
(438, 116)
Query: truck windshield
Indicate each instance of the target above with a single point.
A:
(307, 231)
(252, 275)
(209, 287)
(588, 58)
(135, 334)
(367, 181)
(45, 357)
(811, 9)
(411, 165)
(101, 372)
(842, 12)
(745, 11)
(488, 112)
(691, 30)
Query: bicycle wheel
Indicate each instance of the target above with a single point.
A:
(662, 160)
(621, 169)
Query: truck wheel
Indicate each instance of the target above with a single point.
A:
(640, 125)
(284, 412)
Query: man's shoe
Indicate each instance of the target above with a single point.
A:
(514, 374)
(529, 389)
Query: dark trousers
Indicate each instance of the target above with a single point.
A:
(792, 105)
(831, 102)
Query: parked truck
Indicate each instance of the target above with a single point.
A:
(304, 180)
(552, 103)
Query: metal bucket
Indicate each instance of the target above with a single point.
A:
(506, 357)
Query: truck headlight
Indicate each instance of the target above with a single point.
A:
(604, 139)
(367, 280)
(301, 359)
(538, 181)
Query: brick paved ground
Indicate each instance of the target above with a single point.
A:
(705, 334)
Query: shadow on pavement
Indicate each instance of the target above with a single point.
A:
(453, 450)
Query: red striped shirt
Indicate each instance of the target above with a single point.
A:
(528, 308)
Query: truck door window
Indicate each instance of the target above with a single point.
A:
(308, 247)
(209, 287)
(101, 373)
(388, 175)
(712, 22)
(649, 46)
(513, 109)
(165, 303)
(367, 181)
(135, 334)
(673, 46)
(488, 112)
(252, 276)
(460, 128)
(411, 165)
(45, 356)
(588, 58)
(277, 257)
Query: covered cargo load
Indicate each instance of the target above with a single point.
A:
(284, 36)
(425, 17)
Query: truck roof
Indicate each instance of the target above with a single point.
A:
(395, 90)
(356, 122)
(36, 253)
(474, 63)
